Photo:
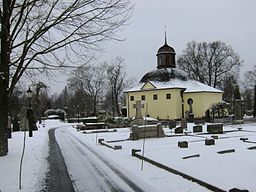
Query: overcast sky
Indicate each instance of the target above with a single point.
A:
(230, 21)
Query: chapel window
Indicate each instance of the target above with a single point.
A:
(155, 97)
(168, 95)
(132, 98)
(143, 97)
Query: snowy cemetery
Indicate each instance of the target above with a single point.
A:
(181, 157)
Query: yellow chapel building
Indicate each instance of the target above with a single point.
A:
(168, 93)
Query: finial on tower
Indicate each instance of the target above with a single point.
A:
(165, 39)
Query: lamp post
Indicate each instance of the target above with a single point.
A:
(29, 111)
(78, 111)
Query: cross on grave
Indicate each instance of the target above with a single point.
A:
(138, 107)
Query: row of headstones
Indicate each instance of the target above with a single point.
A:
(184, 144)
(211, 128)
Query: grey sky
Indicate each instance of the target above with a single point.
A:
(230, 21)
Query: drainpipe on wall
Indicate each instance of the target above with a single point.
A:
(127, 102)
(182, 104)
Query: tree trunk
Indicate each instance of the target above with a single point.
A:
(4, 76)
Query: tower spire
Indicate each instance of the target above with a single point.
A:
(165, 39)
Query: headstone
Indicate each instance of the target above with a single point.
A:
(183, 144)
(215, 128)
(190, 113)
(197, 128)
(172, 124)
(138, 120)
(178, 130)
(147, 131)
(183, 123)
(16, 125)
(117, 147)
(215, 136)
(207, 116)
(209, 142)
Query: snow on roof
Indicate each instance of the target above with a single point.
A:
(190, 86)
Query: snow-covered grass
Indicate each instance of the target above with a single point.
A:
(34, 162)
(225, 171)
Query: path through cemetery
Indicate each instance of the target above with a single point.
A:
(86, 168)
(57, 178)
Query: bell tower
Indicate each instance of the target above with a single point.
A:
(166, 56)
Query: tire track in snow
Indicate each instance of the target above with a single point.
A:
(100, 160)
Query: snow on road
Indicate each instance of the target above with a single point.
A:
(90, 171)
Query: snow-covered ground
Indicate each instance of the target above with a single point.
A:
(225, 171)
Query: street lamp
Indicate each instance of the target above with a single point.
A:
(29, 111)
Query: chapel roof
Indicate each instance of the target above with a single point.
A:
(164, 75)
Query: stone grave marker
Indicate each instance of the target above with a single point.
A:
(147, 131)
(172, 124)
(183, 123)
(209, 142)
(197, 128)
(183, 144)
(138, 120)
(178, 130)
(215, 128)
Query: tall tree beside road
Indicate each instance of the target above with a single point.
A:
(209, 63)
(38, 36)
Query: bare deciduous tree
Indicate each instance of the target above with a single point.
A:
(209, 63)
(38, 36)
(89, 79)
(116, 82)
(249, 91)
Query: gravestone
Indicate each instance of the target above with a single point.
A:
(215, 128)
(207, 116)
(190, 112)
(197, 128)
(215, 136)
(147, 131)
(172, 124)
(16, 125)
(183, 123)
(117, 147)
(209, 142)
(138, 120)
(183, 144)
(178, 130)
